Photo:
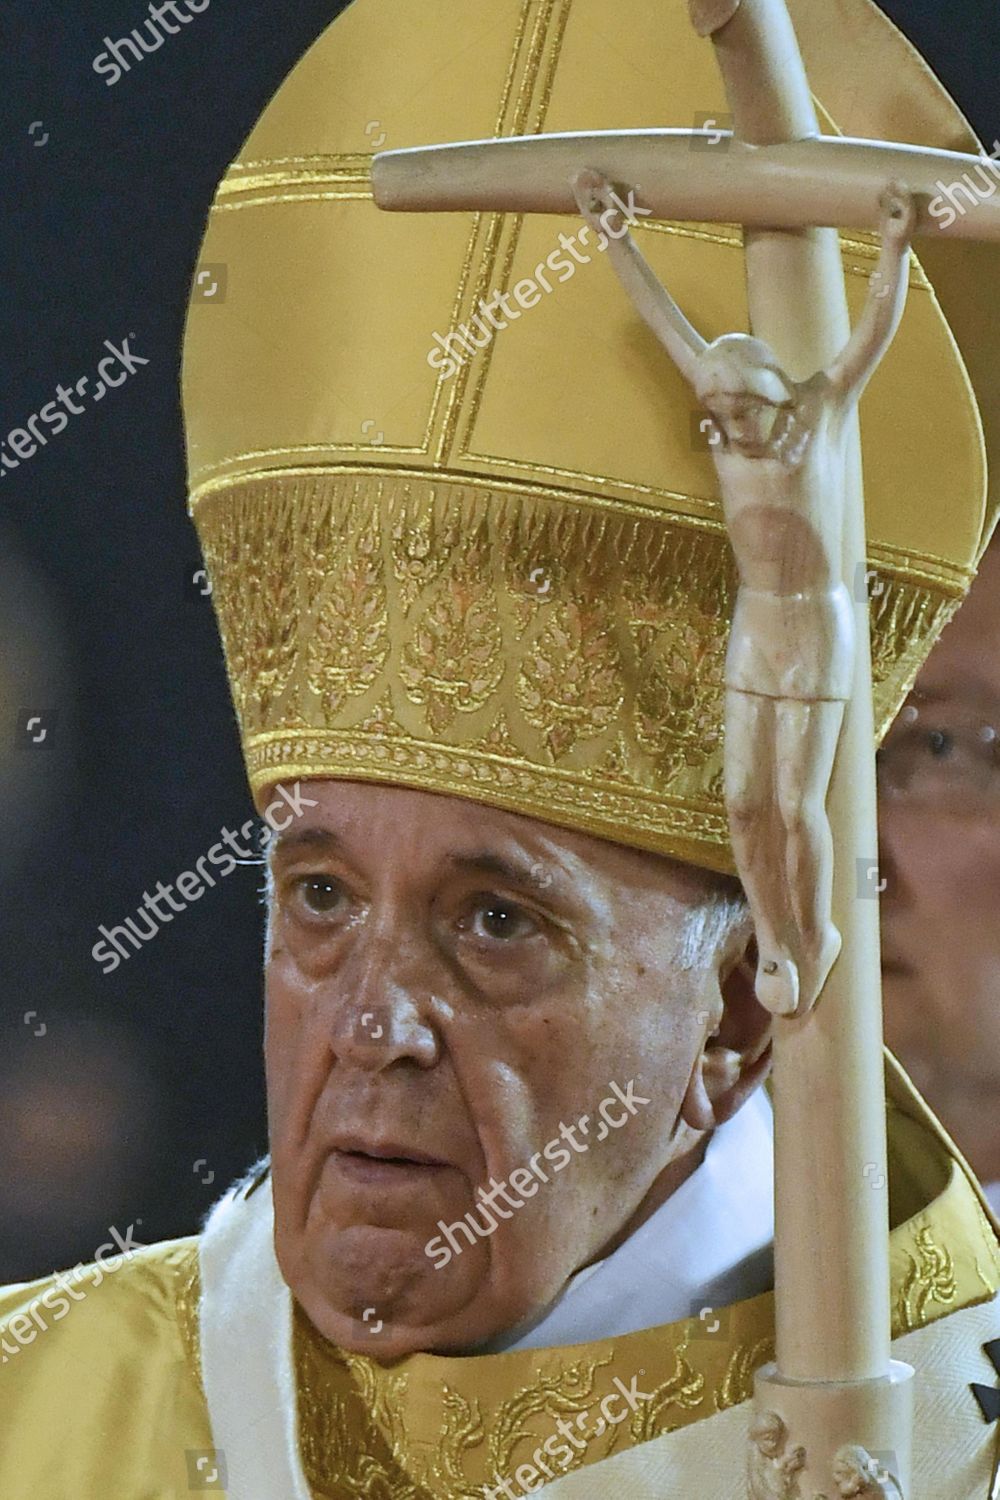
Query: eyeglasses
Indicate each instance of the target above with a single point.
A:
(942, 756)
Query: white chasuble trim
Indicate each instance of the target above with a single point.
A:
(953, 1448)
(246, 1351)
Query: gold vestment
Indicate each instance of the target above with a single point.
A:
(513, 585)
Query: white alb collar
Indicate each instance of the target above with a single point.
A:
(708, 1245)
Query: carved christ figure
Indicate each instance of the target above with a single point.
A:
(778, 447)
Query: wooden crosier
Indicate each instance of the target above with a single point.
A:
(833, 1388)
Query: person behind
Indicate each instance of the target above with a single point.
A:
(939, 837)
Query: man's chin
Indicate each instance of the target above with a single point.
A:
(373, 1290)
(391, 1337)
(390, 1341)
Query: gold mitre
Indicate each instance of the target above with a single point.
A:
(513, 583)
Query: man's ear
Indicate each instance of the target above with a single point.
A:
(736, 1057)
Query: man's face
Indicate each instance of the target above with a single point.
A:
(939, 824)
(450, 990)
(748, 422)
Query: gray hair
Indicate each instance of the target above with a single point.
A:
(722, 920)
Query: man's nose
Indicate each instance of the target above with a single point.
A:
(384, 1008)
(891, 858)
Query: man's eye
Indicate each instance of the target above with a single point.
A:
(321, 895)
(496, 918)
(934, 763)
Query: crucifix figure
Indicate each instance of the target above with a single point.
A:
(778, 448)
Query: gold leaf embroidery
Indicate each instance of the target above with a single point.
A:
(745, 1360)
(684, 1390)
(678, 718)
(902, 620)
(542, 650)
(930, 1278)
(187, 1298)
(350, 1424)
(463, 1430)
(348, 644)
(452, 660)
(566, 1392)
(569, 682)
(420, 551)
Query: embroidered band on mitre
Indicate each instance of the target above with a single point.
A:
(510, 581)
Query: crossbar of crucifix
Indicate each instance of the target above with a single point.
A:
(705, 175)
(834, 1381)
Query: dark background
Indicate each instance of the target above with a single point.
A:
(134, 1097)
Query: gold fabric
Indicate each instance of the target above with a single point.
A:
(104, 1401)
(107, 1401)
(515, 585)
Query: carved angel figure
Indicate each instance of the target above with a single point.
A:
(774, 1467)
(860, 1477)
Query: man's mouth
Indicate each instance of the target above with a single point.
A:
(383, 1161)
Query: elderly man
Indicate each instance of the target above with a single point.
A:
(939, 774)
(514, 1230)
(428, 959)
